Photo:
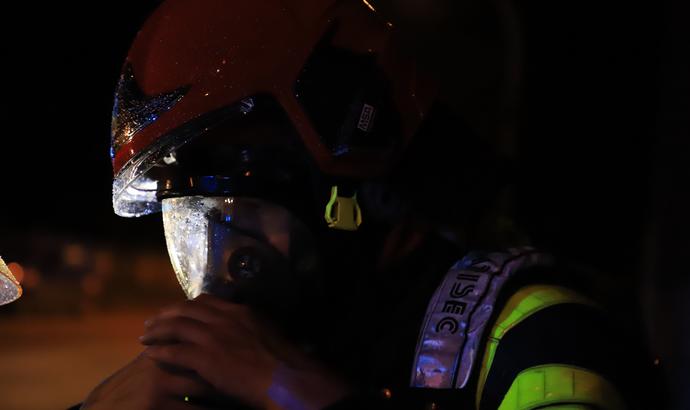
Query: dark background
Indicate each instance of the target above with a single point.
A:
(604, 143)
(64, 61)
(596, 79)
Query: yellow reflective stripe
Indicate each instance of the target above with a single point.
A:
(530, 300)
(554, 384)
(524, 303)
(489, 353)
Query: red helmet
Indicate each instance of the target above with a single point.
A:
(352, 97)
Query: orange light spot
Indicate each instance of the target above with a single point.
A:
(32, 278)
(92, 285)
(74, 255)
(17, 271)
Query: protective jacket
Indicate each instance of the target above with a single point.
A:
(496, 330)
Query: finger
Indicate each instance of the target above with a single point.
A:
(189, 309)
(207, 309)
(241, 314)
(177, 385)
(177, 330)
(184, 355)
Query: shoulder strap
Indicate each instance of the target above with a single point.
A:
(458, 314)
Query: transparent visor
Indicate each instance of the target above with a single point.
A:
(228, 246)
(134, 190)
(10, 290)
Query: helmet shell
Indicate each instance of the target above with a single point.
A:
(193, 58)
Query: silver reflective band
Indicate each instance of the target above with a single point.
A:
(458, 315)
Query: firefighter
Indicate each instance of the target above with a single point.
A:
(326, 215)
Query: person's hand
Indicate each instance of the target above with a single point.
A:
(142, 385)
(239, 355)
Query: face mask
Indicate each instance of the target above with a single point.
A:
(242, 249)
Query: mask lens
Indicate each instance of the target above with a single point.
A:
(226, 246)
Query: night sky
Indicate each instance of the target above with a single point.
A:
(64, 60)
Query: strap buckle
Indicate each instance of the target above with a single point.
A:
(343, 213)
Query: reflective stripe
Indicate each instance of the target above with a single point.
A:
(459, 313)
(524, 303)
(555, 384)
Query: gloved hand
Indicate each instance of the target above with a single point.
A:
(240, 355)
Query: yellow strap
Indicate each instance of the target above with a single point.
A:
(524, 303)
(560, 385)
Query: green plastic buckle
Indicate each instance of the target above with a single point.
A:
(343, 212)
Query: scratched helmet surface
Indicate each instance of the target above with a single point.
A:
(331, 67)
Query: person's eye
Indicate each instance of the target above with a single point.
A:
(244, 263)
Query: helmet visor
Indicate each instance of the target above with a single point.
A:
(229, 247)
